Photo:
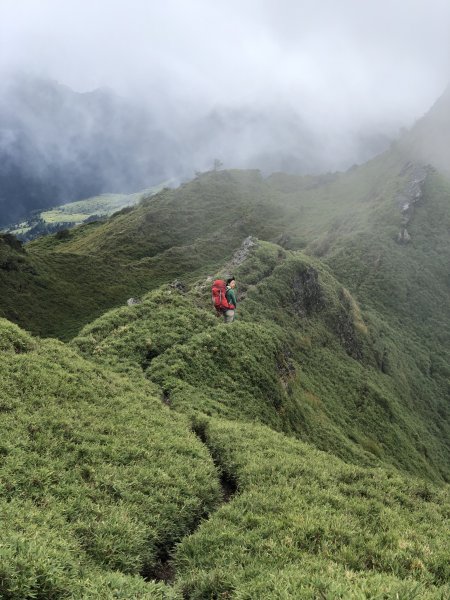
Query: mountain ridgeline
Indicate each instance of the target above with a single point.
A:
(301, 452)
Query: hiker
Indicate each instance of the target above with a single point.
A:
(230, 295)
(224, 299)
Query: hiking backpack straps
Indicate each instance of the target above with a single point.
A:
(218, 296)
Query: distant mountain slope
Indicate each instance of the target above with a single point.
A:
(352, 220)
(183, 232)
(75, 213)
(57, 145)
(428, 141)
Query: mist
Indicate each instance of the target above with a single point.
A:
(296, 86)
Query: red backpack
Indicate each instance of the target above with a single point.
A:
(218, 294)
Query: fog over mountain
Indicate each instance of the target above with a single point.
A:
(115, 97)
(57, 145)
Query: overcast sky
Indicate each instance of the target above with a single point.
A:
(352, 60)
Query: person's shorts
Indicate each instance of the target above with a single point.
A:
(228, 316)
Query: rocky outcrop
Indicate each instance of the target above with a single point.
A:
(409, 197)
(308, 296)
(133, 301)
(179, 286)
(242, 253)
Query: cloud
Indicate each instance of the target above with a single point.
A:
(360, 55)
(320, 83)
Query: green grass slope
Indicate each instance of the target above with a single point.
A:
(101, 477)
(324, 411)
(306, 525)
(303, 362)
(302, 359)
(97, 478)
(325, 403)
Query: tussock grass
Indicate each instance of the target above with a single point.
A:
(306, 525)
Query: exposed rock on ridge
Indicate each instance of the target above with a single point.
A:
(241, 254)
(409, 197)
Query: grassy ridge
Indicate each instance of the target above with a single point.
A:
(302, 359)
(303, 524)
(95, 467)
(348, 220)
